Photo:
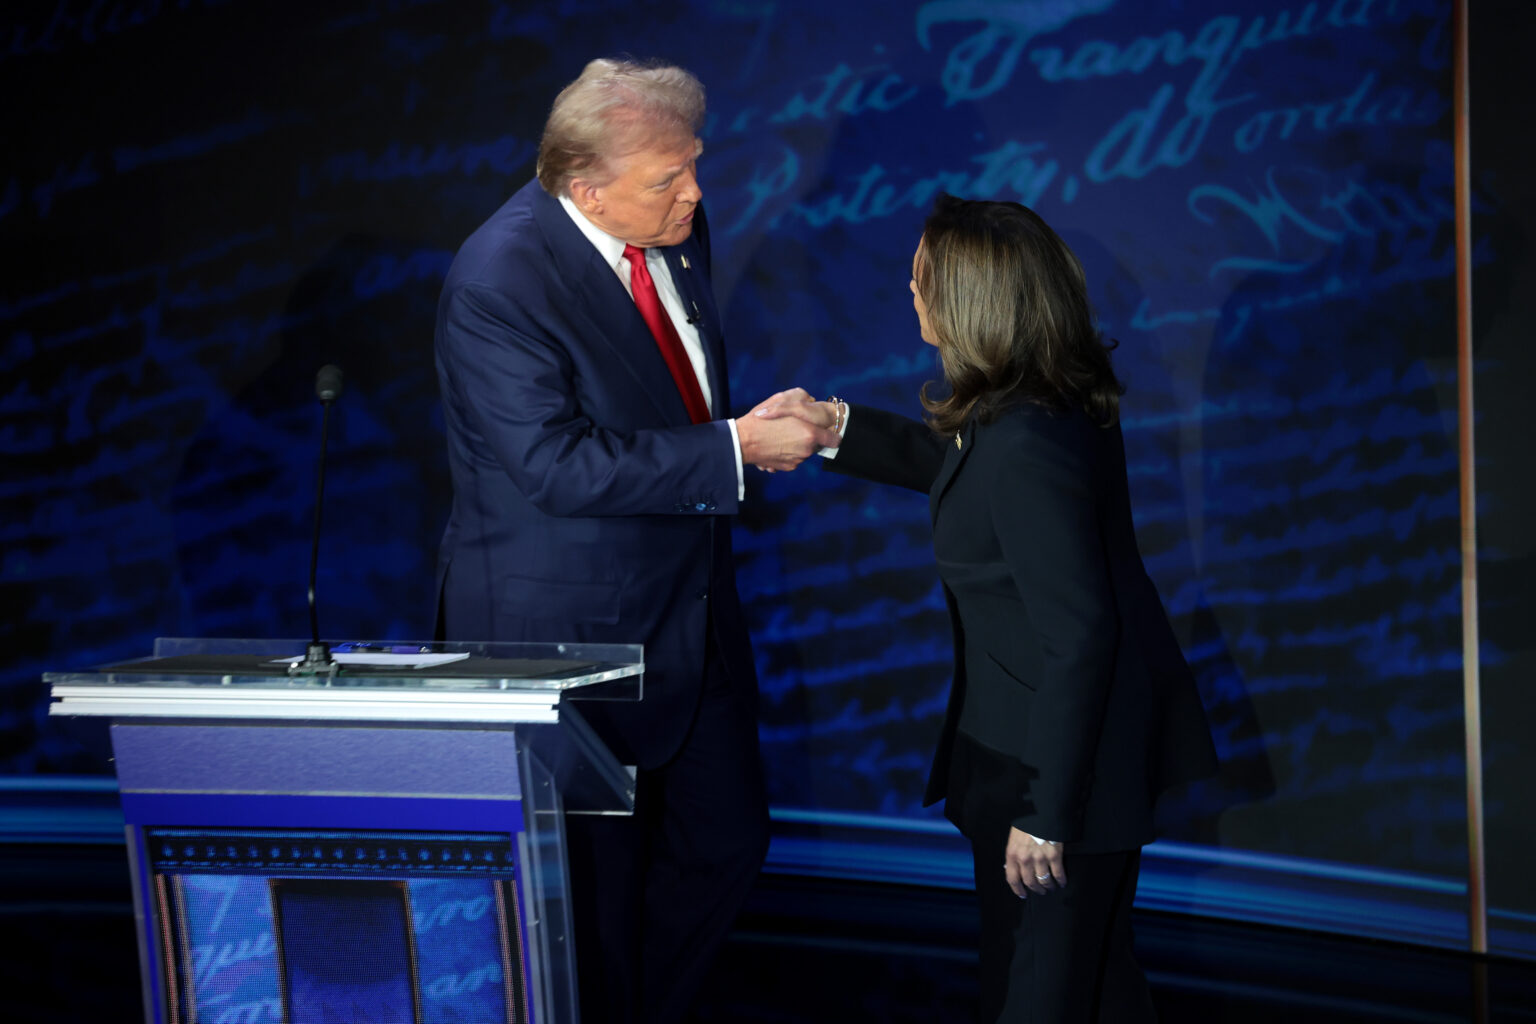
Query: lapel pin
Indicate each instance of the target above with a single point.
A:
(686, 264)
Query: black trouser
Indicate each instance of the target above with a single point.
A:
(1061, 958)
(654, 896)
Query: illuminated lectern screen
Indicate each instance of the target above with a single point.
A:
(344, 950)
(321, 927)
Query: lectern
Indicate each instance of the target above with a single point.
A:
(383, 841)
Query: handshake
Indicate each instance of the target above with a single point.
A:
(785, 429)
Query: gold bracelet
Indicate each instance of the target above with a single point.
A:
(839, 413)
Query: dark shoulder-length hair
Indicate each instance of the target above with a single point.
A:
(1007, 305)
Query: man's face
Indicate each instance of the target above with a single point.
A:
(651, 200)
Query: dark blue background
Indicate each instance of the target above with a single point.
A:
(202, 202)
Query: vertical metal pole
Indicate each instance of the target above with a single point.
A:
(1477, 896)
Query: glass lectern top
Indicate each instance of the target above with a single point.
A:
(452, 682)
(438, 666)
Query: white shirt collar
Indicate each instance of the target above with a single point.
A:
(610, 248)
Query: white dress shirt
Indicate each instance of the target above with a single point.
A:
(612, 251)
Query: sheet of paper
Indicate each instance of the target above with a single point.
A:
(381, 659)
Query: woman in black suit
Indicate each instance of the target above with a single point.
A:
(1072, 706)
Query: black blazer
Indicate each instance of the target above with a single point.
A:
(1064, 658)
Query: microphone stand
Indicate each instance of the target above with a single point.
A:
(317, 656)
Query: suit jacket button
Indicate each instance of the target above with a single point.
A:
(703, 594)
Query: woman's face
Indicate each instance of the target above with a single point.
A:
(917, 299)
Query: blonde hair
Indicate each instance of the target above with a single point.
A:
(611, 110)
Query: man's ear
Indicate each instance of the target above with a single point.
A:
(586, 196)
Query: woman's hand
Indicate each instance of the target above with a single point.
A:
(1033, 865)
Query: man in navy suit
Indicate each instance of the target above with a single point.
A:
(582, 368)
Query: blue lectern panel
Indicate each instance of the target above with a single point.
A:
(345, 950)
(357, 759)
(464, 968)
(276, 927)
(227, 956)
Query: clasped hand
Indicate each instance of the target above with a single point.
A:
(785, 429)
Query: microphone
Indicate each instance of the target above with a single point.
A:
(695, 316)
(328, 383)
(317, 657)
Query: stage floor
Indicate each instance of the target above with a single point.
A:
(810, 951)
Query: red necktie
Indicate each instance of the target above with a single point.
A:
(656, 318)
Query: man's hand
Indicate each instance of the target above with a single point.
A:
(797, 403)
(784, 430)
(1033, 865)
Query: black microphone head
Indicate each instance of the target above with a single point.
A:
(328, 383)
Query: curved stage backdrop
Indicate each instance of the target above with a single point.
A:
(202, 202)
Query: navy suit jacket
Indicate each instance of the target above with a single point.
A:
(1064, 659)
(586, 505)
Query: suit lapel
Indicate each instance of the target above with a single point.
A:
(595, 291)
(956, 454)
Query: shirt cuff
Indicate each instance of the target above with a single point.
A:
(741, 479)
(831, 453)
